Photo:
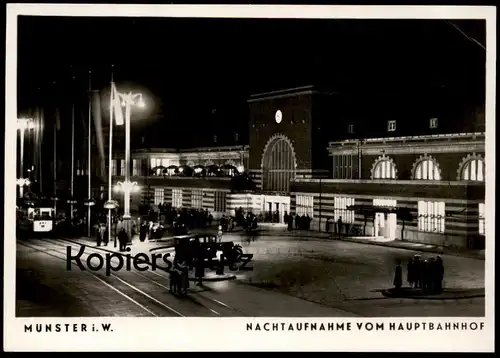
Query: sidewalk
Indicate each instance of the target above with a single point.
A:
(476, 254)
(447, 294)
(147, 247)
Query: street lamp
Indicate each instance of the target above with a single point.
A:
(127, 187)
(22, 124)
(22, 182)
(128, 100)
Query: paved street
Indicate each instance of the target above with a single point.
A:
(291, 277)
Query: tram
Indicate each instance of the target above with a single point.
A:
(35, 221)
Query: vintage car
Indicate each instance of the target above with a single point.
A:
(191, 247)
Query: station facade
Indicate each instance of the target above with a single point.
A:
(423, 188)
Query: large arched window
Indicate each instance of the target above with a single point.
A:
(427, 169)
(473, 169)
(384, 168)
(278, 164)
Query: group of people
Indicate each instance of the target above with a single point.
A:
(302, 222)
(191, 218)
(424, 274)
(179, 277)
(184, 261)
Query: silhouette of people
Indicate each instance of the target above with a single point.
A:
(439, 274)
(398, 276)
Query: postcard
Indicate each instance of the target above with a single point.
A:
(249, 178)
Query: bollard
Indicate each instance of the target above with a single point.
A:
(220, 266)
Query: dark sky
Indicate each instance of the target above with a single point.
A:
(191, 66)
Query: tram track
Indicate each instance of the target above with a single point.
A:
(202, 301)
(133, 294)
(219, 307)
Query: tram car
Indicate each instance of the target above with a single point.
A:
(35, 222)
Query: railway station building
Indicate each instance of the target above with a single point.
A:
(412, 177)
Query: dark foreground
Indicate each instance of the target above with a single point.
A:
(291, 278)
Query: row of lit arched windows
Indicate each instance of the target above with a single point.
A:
(427, 168)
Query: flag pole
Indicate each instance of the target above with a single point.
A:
(72, 155)
(56, 123)
(90, 153)
(110, 163)
(55, 161)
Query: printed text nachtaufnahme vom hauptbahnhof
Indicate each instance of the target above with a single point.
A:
(366, 326)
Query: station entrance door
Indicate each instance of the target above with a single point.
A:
(385, 223)
(274, 207)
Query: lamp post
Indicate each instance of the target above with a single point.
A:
(128, 99)
(22, 124)
(127, 187)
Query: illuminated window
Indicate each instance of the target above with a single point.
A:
(385, 203)
(220, 201)
(384, 169)
(427, 169)
(215, 139)
(350, 128)
(391, 126)
(197, 198)
(176, 198)
(431, 215)
(122, 167)
(304, 205)
(474, 169)
(341, 205)
(482, 222)
(114, 169)
(159, 196)
(236, 137)
(433, 123)
(136, 167)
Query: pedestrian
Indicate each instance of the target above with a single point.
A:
(106, 236)
(425, 275)
(98, 235)
(184, 277)
(289, 222)
(174, 280)
(432, 275)
(398, 276)
(410, 270)
(199, 270)
(418, 265)
(339, 227)
(439, 274)
(143, 232)
(123, 239)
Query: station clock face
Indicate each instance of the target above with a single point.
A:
(278, 116)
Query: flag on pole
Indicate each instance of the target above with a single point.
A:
(116, 108)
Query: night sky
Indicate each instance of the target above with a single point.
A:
(192, 66)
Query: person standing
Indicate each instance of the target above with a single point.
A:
(439, 274)
(398, 276)
(98, 235)
(410, 270)
(339, 227)
(102, 230)
(123, 239)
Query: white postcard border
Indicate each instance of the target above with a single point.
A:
(174, 334)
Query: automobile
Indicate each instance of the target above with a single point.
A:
(187, 247)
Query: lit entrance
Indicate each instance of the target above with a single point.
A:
(385, 223)
(274, 207)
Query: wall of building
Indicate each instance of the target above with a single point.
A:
(296, 125)
(461, 201)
